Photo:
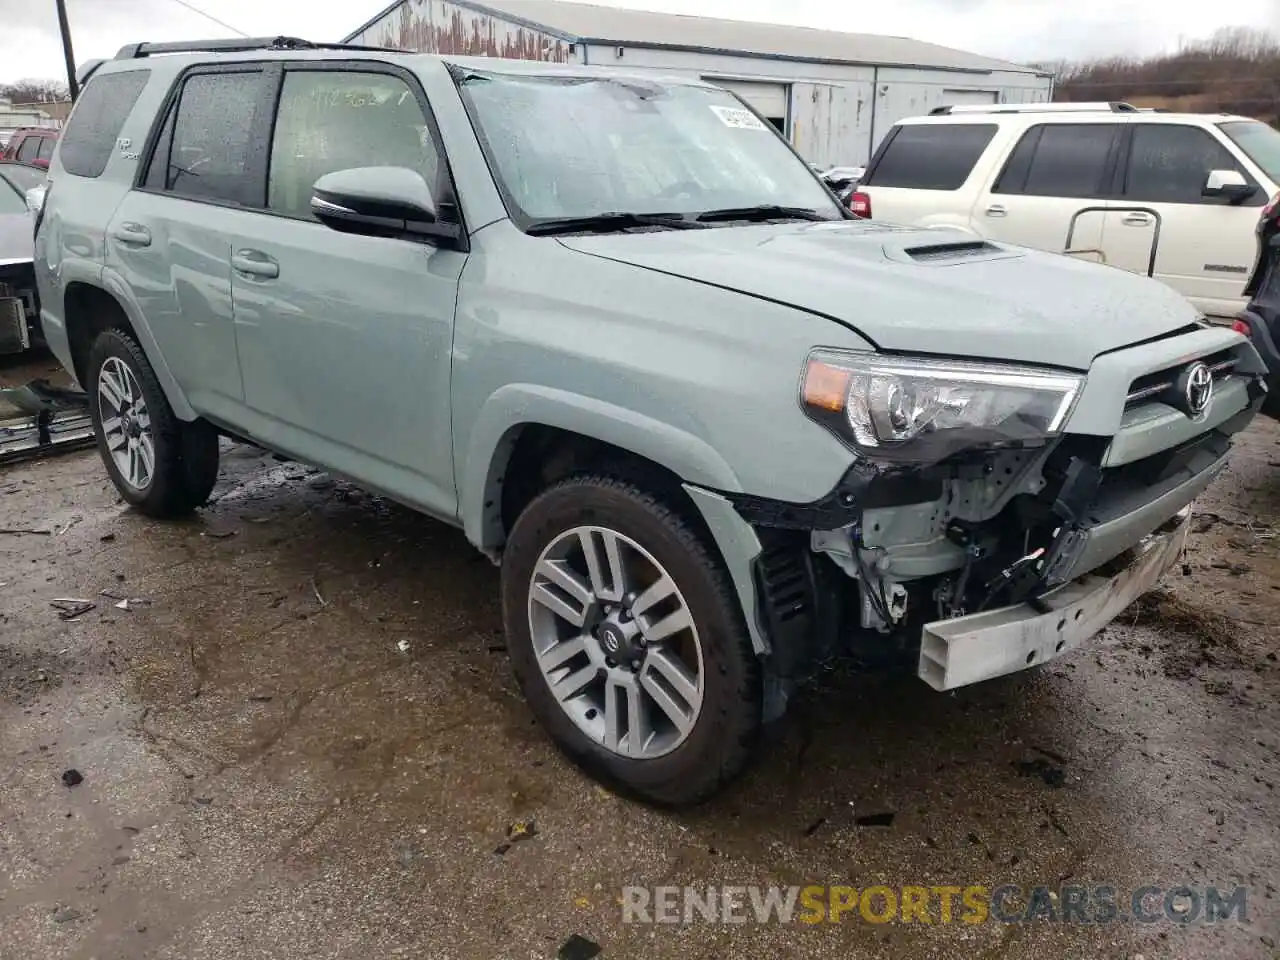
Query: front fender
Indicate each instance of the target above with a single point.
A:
(516, 405)
(114, 285)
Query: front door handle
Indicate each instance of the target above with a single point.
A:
(996, 210)
(1137, 220)
(255, 263)
(134, 234)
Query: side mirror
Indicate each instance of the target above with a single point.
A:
(1230, 184)
(35, 199)
(379, 202)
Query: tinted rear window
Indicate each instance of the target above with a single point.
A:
(931, 156)
(1060, 160)
(95, 124)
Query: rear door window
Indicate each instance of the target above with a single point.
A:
(45, 150)
(1170, 163)
(208, 147)
(930, 156)
(27, 151)
(101, 111)
(1060, 160)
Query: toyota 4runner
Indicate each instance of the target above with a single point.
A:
(711, 425)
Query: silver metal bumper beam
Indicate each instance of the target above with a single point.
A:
(965, 650)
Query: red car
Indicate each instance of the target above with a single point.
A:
(32, 145)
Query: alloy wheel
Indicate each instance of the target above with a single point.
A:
(616, 642)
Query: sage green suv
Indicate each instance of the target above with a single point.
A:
(714, 428)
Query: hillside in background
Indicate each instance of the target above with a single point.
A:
(1237, 70)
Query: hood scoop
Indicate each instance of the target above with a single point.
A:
(949, 251)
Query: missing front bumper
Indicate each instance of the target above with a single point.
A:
(965, 650)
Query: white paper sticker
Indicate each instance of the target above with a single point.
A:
(739, 118)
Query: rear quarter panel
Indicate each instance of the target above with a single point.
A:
(72, 243)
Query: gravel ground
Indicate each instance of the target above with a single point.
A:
(302, 739)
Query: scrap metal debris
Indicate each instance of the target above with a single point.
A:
(520, 830)
(72, 778)
(316, 590)
(38, 418)
(69, 607)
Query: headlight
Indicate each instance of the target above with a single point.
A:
(925, 410)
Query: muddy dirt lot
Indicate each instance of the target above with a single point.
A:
(302, 739)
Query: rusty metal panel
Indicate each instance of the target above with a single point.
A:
(438, 26)
(831, 122)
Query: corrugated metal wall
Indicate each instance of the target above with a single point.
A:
(831, 122)
(438, 26)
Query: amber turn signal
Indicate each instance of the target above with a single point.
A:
(825, 386)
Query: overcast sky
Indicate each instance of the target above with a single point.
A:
(1020, 30)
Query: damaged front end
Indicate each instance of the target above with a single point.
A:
(992, 552)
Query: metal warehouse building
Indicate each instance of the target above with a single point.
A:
(834, 94)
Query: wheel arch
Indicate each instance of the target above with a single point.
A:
(521, 418)
(90, 308)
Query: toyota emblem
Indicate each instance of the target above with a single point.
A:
(1198, 389)
(609, 640)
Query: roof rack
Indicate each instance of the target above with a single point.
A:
(1112, 107)
(134, 51)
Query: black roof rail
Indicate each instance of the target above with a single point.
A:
(134, 51)
(1062, 107)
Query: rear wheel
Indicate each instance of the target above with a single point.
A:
(628, 641)
(158, 463)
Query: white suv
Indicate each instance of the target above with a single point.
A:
(1173, 196)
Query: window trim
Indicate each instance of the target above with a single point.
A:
(460, 237)
(1121, 179)
(172, 100)
(1106, 180)
(265, 125)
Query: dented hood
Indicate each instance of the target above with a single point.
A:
(940, 292)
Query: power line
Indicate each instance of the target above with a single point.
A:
(211, 17)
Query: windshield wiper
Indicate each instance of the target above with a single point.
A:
(765, 211)
(610, 222)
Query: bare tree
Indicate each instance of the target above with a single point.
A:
(34, 91)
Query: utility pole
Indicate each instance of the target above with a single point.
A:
(68, 55)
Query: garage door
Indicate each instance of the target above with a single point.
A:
(768, 98)
(956, 98)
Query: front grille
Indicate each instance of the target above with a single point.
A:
(1153, 385)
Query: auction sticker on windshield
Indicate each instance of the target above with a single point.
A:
(738, 117)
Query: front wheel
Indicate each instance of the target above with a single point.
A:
(628, 641)
(159, 464)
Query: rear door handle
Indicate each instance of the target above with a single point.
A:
(134, 234)
(255, 263)
(996, 210)
(1137, 220)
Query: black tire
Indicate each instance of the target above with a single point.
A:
(721, 741)
(186, 454)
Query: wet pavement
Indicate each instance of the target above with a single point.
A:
(302, 739)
